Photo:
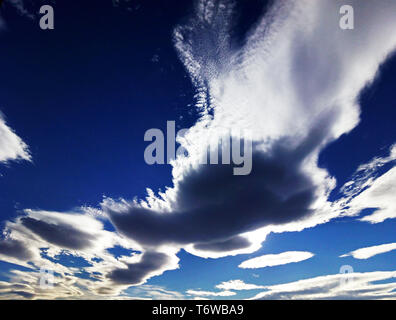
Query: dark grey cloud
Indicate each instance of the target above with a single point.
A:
(16, 289)
(15, 249)
(234, 243)
(213, 206)
(105, 290)
(18, 286)
(137, 273)
(63, 235)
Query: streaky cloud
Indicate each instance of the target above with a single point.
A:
(368, 252)
(368, 189)
(270, 260)
(238, 285)
(335, 287)
(11, 146)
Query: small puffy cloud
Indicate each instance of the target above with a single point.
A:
(270, 260)
(238, 285)
(366, 253)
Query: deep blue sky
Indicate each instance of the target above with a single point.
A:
(83, 95)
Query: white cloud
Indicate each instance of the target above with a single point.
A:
(39, 239)
(210, 293)
(11, 146)
(365, 253)
(270, 260)
(380, 195)
(366, 173)
(238, 285)
(155, 292)
(293, 86)
(368, 189)
(338, 286)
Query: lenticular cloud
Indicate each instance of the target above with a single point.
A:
(294, 86)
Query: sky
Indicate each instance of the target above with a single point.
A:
(84, 215)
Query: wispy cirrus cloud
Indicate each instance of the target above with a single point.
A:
(12, 146)
(146, 291)
(369, 188)
(20, 6)
(327, 287)
(337, 286)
